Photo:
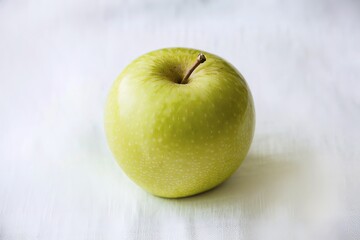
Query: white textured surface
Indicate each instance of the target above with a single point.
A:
(58, 59)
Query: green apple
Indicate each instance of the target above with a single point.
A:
(177, 127)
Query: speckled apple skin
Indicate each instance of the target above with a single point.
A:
(176, 140)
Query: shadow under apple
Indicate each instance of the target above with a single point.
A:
(263, 182)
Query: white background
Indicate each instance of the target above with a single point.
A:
(58, 59)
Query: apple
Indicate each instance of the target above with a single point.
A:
(179, 125)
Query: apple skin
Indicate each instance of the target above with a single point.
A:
(176, 140)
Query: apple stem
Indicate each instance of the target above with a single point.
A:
(200, 59)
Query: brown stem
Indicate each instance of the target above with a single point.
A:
(200, 59)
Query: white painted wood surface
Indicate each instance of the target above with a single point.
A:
(58, 59)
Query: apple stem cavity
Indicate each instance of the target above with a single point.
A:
(200, 59)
